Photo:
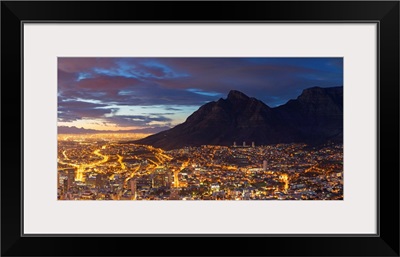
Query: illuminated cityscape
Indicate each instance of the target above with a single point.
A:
(105, 168)
(200, 128)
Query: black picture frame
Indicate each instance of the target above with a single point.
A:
(384, 13)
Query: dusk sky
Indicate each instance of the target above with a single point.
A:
(135, 93)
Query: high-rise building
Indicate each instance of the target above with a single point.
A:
(244, 144)
(168, 178)
(133, 188)
(265, 164)
(253, 144)
(71, 177)
(234, 144)
(65, 186)
(176, 178)
(133, 185)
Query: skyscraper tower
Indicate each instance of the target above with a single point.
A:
(244, 143)
(133, 188)
(169, 178)
(71, 177)
(234, 144)
(176, 179)
(253, 144)
(58, 179)
(265, 164)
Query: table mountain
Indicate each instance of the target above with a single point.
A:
(315, 116)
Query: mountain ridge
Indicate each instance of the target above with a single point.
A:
(315, 116)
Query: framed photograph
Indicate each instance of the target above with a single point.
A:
(273, 125)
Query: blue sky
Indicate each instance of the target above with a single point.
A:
(136, 93)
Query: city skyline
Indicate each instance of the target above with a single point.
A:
(200, 129)
(159, 93)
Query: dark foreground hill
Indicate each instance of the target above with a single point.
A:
(316, 116)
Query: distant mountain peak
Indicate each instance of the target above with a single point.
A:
(321, 90)
(321, 94)
(235, 95)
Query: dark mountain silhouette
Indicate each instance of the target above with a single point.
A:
(316, 116)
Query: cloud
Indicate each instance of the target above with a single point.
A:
(69, 111)
(201, 92)
(138, 120)
(181, 82)
(76, 130)
(172, 109)
(82, 64)
(75, 110)
(79, 105)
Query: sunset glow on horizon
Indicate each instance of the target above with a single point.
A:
(154, 94)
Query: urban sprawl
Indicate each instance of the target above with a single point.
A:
(98, 167)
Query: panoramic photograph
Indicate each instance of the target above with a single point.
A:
(200, 128)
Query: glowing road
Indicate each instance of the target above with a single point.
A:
(80, 169)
